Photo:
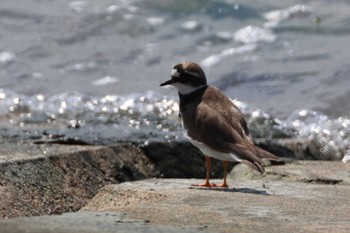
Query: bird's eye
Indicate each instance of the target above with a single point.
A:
(194, 74)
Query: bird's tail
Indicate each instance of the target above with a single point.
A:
(255, 166)
(263, 154)
(251, 155)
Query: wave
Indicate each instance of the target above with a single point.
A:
(152, 115)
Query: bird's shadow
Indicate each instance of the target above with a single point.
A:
(234, 190)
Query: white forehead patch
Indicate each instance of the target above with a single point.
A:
(175, 73)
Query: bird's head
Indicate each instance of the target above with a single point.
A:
(187, 77)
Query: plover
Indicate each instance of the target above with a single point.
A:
(213, 123)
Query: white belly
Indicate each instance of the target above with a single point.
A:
(206, 150)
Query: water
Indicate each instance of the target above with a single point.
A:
(90, 70)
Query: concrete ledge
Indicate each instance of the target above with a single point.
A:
(54, 179)
(65, 181)
(249, 206)
(86, 222)
(172, 205)
(301, 196)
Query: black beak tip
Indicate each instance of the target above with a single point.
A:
(166, 83)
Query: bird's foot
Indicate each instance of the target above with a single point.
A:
(223, 185)
(205, 184)
(211, 185)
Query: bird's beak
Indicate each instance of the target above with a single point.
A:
(169, 82)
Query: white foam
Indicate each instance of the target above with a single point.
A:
(346, 157)
(6, 57)
(216, 58)
(155, 21)
(276, 16)
(254, 34)
(105, 81)
(329, 138)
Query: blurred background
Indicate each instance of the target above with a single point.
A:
(91, 70)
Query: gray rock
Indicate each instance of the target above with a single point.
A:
(85, 222)
(39, 179)
(173, 205)
(270, 206)
(180, 160)
(66, 178)
(54, 179)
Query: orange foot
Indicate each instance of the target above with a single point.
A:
(210, 185)
(205, 184)
(223, 185)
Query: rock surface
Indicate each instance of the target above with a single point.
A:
(99, 181)
(38, 179)
(288, 198)
(314, 172)
(86, 222)
(65, 177)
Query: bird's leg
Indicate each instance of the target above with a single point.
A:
(224, 184)
(206, 183)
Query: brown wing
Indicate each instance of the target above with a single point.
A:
(221, 126)
(214, 118)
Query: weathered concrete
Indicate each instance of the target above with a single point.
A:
(38, 179)
(171, 205)
(86, 222)
(316, 172)
(304, 196)
(264, 206)
(63, 181)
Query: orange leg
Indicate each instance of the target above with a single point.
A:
(224, 184)
(206, 183)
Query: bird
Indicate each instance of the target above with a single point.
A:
(213, 123)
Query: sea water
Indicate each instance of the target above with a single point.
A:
(90, 70)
